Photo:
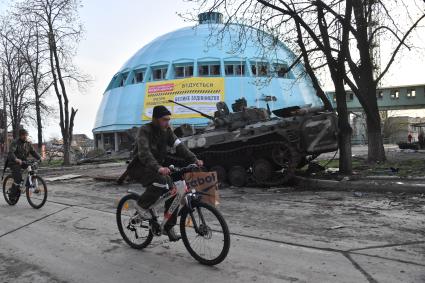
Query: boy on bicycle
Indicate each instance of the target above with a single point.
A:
(20, 150)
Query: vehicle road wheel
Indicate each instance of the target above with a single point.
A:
(237, 176)
(262, 170)
(287, 158)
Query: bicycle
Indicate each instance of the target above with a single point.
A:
(200, 223)
(35, 187)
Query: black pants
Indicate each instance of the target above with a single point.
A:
(17, 178)
(154, 191)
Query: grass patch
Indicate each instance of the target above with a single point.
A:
(334, 163)
(403, 168)
(53, 163)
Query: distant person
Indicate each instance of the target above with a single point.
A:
(409, 138)
(20, 150)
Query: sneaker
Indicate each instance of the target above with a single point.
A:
(173, 236)
(144, 213)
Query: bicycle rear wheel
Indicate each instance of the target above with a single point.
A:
(134, 229)
(7, 187)
(37, 193)
(210, 242)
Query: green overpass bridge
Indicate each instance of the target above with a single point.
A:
(390, 98)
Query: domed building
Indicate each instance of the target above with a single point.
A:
(197, 68)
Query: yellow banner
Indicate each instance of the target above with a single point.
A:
(201, 94)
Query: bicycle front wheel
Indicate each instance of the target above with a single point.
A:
(205, 234)
(37, 193)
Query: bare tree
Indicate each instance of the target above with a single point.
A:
(374, 19)
(58, 19)
(35, 54)
(17, 79)
(311, 42)
(338, 37)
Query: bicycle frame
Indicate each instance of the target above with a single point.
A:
(182, 195)
(178, 191)
(26, 178)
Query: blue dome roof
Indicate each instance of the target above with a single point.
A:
(202, 42)
(123, 101)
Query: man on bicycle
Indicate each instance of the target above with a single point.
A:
(152, 142)
(20, 150)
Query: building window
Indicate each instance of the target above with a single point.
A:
(281, 70)
(260, 69)
(411, 93)
(106, 140)
(159, 73)
(204, 70)
(350, 96)
(380, 95)
(122, 78)
(183, 71)
(139, 76)
(395, 94)
(234, 69)
(209, 70)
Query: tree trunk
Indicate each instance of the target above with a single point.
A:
(376, 152)
(345, 131)
(66, 152)
(39, 124)
(5, 133)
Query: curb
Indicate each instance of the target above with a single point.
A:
(361, 186)
(79, 167)
(393, 178)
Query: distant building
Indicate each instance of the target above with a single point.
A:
(389, 98)
(82, 140)
(397, 129)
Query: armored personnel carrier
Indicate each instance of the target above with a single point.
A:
(250, 145)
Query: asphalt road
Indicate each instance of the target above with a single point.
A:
(277, 236)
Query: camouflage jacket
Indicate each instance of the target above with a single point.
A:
(21, 150)
(152, 148)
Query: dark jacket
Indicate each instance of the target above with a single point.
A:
(152, 148)
(21, 150)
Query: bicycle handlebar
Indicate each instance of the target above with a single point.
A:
(30, 162)
(177, 173)
(186, 169)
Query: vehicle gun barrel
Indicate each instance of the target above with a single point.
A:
(194, 110)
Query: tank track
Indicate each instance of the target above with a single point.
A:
(278, 178)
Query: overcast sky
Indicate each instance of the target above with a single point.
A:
(115, 30)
